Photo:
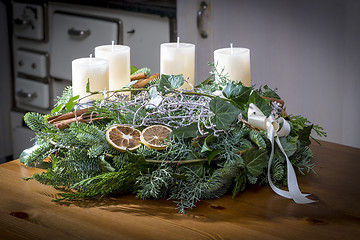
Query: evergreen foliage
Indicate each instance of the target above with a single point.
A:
(36, 122)
(211, 151)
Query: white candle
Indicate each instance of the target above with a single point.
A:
(118, 57)
(178, 58)
(94, 69)
(235, 62)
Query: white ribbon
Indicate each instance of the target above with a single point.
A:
(257, 119)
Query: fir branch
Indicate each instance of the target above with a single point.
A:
(36, 122)
(87, 134)
(240, 182)
(36, 157)
(256, 138)
(120, 181)
(278, 169)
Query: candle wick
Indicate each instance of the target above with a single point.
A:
(178, 42)
(231, 49)
(112, 46)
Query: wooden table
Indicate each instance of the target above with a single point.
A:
(27, 212)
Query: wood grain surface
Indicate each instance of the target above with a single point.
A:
(27, 212)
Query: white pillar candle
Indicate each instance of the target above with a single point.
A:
(118, 57)
(235, 62)
(178, 58)
(94, 69)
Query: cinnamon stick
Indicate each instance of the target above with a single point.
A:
(67, 115)
(138, 76)
(62, 124)
(142, 83)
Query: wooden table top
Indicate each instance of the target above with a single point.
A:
(27, 212)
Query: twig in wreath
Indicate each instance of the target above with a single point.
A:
(63, 121)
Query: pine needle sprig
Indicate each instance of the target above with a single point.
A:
(119, 181)
(37, 122)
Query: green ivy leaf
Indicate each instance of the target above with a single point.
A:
(71, 103)
(205, 148)
(58, 108)
(208, 139)
(231, 90)
(268, 92)
(239, 94)
(185, 132)
(225, 113)
(211, 155)
(262, 104)
(155, 98)
(69, 106)
(255, 161)
(170, 82)
(304, 135)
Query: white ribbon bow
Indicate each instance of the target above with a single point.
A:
(257, 119)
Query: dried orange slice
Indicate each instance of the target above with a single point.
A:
(122, 137)
(154, 136)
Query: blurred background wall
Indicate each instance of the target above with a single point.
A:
(309, 50)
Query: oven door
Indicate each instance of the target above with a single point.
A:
(76, 36)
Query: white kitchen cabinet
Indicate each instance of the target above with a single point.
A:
(28, 20)
(75, 36)
(31, 94)
(143, 33)
(44, 43)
